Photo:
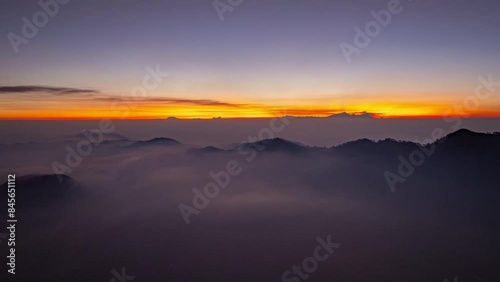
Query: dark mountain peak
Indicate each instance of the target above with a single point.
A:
(363, 147)
(464, 132)
(159, 141)
(212, 149)
(461, 142)
(465, 139)
(163, 140)
(465, 136)
(276, 145)
(354, 115)
(363, 141)
(369, 142)
(278, 142)
(342, 114)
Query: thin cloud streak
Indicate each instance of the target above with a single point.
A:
(100, 97)
(167, 100)
(44, 89)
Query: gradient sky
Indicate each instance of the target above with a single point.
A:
(266, 58)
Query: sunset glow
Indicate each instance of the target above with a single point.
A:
(178, 60)
(145, 109)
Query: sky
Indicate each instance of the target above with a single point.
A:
(94, 59)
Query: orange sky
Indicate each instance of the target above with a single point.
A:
(44, 102)
(145, 109)
(249, 68)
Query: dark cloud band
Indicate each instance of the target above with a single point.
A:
(46, 89)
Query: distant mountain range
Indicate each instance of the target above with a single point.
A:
(444, 200)
(461, 139)
(338, 115)
(355, 115)
(459, 153)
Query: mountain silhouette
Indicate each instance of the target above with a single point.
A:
(275, 145)
(43, 189)
(465, 139)
(347, 115)
(443, 211)
(367, 148)
(160, 141)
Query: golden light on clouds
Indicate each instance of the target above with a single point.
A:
(105, 106)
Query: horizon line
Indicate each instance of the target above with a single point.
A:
(248, 118)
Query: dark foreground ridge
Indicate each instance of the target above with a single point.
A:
(34, 189)
(462, 139)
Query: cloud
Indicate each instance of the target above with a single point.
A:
(204, 102)
(108, 98)
(167, 100)
(76, 95)
(46, 89)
